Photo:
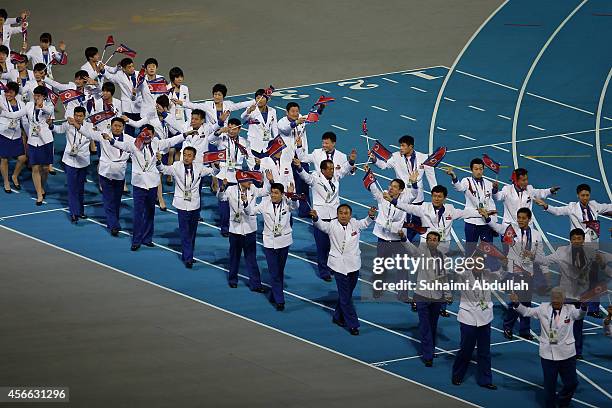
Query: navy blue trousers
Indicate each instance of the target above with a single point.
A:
(323, 247)
(302, 188)
(247, 244)
(470, 337)
(144, 215)
(76, 189)
(474, 233)
(567, 370)
(411, 234)
(510, 318)
(345, 309)
(112, 190)
(429, 313)
(276, 259)
(188, 228)
(224, 216)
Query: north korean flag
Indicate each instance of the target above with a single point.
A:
(490, 163)
(269, 91)
(313, 117)
(214, 157)
(509, 236)
(60, 58)
(276, 146)
(364, 126)
(324, 100)
(594, 292)
(53, 96)
(419, 229)
(594, 225)
(381, 151)
(110, 41)
(296, 196)
(490, 249)
(254, 176)
(70, 95)
(100, 117)
(369, 179)
(436, 157)
(158, 86)
(124, 49)
(17, 57)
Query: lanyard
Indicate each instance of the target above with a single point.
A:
(412, 162)
(74, 141)
(246, 193)
(555, 318)
(526, 232)
(343, 239)
(439, 215)
(280, 212)
(477, 192)
(587, 215)
(189, 170)
(230, 141)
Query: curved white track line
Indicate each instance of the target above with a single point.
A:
(602, 170)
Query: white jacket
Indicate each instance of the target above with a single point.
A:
(260, 132)
(344, 253)
(275, 219)
(476, 195)
(403, 167)
(183, 183)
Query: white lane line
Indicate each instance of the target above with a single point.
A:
(505, 117)
(558, 236)
(487, 80)
(467, 137)
(409, 118)
(418, 89)
(432, 124)
(535, 127)
(446, 98)
(607, 118)
(379, 108)
(560, 168)
(503, 149)
(476, 108)
(609, 151)
(322, 90)
(279, 107)
(602, 169)
(350, 99)
(389, 80)
(338, 127)
(559, 103)
(440, 128)
(577, 141)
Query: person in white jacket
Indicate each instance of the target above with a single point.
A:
(261, 121)
(187, 174)
(277, 236)
(11, 144)
(557, 351)
(345, 260)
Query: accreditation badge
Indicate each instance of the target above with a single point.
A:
(73, 151)
(483, 305)
(187, 195)
(277, 230)
(553, 337)
(13, 124)
(237, 217)
(266, 135)
(178, 113)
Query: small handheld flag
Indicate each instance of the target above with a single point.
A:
(594, 292)
(595, 225)
(70, 95)
(141, 77)
(436, 157)
(381, 151)
(100, 117)
(60, 58)
(17, 58)
(369, 179)
(419, 229)
(364, 126)
(110, 41)
(254, 176)
(158, 86)
(490, 249)
(313, 117)
(269, 91)
(214, 157)
(296, 196)
(124, 49)
(323, 100)
(53, 96)
(275, 146)
(144, 137)
(490, 163)
(509, 235)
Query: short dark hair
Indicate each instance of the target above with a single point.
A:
(174, 73)
(409, 140)
(436, 233)
(163, 101)
(577, 231)
(346, 206)
(277, 186)
(80, 74)
(4, 50)
(90, 52)
(520, 172)
(40, 67)
(329, 136)
(220, 88)
(40, 90)
(126, 61)
(260, 92)
(292, 105)
(190, 149)
(3, 14)
(440, 189)
(45, 37)
(325, 163)
(524, 210)
(400, 182)
(234, 121)
(149, 127)
(476, 161)
(80, 109)
(150, 61)
(13, 86)
(582, 187)
(109, 86)
(199, 112)
(117, 119)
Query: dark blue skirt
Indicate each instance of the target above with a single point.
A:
(11, 147)
(41, 154)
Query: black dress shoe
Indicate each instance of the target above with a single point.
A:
(44, 195)
(163, 208)
(52, 172)
(16, 185)
(74, 219)
(9, 191)
(83, 216)
(135, 247)
(597, 314)
(189, 265)
(354, 331)
(527, 336)
(456, 381)
(259, 290)
(39, 203)
(489, 386)
(579, 357)
(115, 232)
(149, 244)
(280, 307)
(233, 285)
(508, 334)
(444, 313)
(327, 279)
(428, 363)
(338, 322)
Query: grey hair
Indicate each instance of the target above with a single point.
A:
(557, 290)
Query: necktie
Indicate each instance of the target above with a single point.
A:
(133, 78)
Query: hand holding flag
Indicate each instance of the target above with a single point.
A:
(436, 157)
(110, 41)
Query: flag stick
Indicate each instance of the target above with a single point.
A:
(109, 58)
(103, 51)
